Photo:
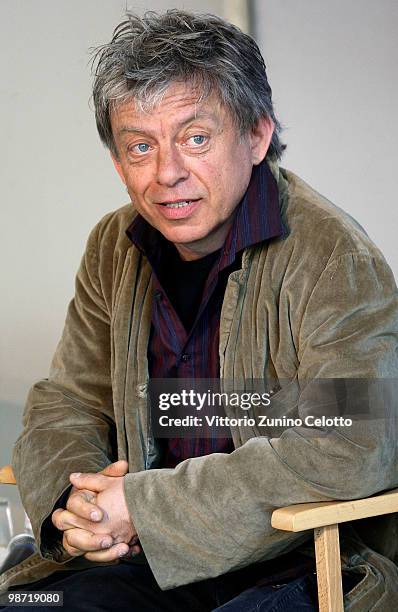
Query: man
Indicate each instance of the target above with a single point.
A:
(224, 266)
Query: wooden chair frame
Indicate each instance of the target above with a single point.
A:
(324, 518)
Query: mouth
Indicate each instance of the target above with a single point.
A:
(177, 203)
(178, 209)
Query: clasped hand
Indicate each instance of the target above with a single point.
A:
(96, 522)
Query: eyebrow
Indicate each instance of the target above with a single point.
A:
(131, 129)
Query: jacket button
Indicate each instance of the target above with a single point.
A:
(185, 357)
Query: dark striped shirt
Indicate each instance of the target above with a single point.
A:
(183, 346)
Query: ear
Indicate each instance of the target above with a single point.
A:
(260, 138)
(118, 167)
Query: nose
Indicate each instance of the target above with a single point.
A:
(171, 168)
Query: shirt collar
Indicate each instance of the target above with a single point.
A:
(257, 219)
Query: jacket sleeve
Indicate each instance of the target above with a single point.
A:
(68, 422)
(212, 514)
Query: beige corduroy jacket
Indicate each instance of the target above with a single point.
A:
(320, 303)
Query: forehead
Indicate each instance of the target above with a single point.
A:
(181, 102)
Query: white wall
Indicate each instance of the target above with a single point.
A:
(333, 68)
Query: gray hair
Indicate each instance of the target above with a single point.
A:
(147, 54)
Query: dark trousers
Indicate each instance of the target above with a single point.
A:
(133, 587)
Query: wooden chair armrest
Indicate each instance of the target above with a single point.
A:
(7, 475)
(300, 517)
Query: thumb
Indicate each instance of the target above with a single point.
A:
(119, 468)
(93, 482)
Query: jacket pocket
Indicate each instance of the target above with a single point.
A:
(378, 589)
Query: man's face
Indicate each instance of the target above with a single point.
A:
(186, 166)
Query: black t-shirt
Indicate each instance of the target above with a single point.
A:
(184, 282)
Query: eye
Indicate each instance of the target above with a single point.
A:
(141, 147)
(197, 139)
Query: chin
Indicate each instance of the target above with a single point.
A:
(184, 237)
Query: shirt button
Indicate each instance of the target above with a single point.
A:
(185, 357)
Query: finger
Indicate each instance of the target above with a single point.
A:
(135, 549)
(78, 504)
(84, 541)
(134, 540)
(55, 517)
(64, 519)
(115, 552)
(89, 496)
(74, 552)
(93, 482)
(119, 468)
